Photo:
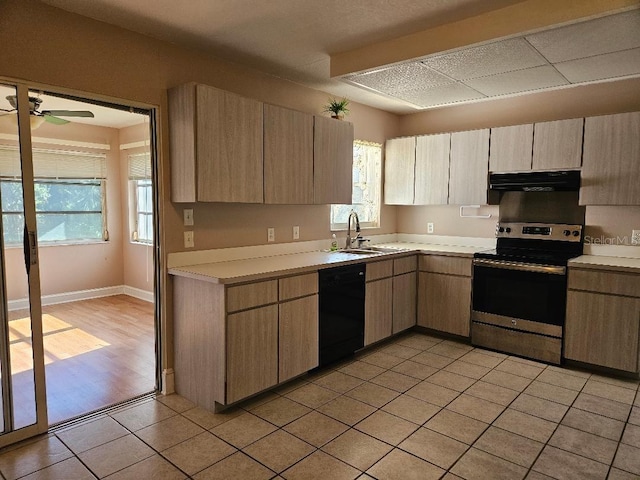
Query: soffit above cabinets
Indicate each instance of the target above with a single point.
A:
(597, 50)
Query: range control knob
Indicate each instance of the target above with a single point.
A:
(501, 229)
(566, 233)
(508, 229)
(576, 233)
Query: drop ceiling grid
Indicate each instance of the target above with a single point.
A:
(594, 50)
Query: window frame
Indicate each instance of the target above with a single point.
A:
(342, 226)
(134, 213)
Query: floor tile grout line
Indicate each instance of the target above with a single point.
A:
(626, 423)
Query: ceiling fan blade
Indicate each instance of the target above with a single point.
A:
(69, 113)
(54, 120)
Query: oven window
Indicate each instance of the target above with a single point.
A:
(538, 297)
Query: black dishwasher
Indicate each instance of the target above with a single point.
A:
(341, 311)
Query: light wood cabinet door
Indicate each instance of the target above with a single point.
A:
(602, 330)
(557, 145)
(469, 168)
(252, 352)
(288, 156)
(399, 175)
(432, 169)
(228, 147)
(332, 161)
(511, 148)
(444, 303)
(299, 337)
(378, 310)
(404, 301)
(611, 166)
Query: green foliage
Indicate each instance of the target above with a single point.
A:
(337, 107)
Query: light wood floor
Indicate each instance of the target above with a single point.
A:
(98, 352)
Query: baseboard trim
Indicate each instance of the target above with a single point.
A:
(168, 382)
(139, 293)
(66, 297)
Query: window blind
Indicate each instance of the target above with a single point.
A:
(56, 164)
(140, 166)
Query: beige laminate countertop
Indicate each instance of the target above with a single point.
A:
(251, 269)
(598, 262)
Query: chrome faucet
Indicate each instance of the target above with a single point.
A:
(349, 240)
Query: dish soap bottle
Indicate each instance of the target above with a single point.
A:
(334, 243)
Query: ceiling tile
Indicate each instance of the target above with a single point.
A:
(594, 37)
(521, 81)
(408, 76)
(601, 67)
(484, 60)
(442, 95)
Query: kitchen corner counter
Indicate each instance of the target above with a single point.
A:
(260, 268)
(599, 262)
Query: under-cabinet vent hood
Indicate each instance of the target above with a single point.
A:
(563, 181)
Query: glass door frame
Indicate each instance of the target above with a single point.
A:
(33, 275)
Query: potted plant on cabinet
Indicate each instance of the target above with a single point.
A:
(338, 108)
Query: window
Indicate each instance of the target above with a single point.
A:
(367, 172)
(141, 198)
(69, 190)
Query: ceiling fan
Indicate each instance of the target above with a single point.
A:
(50, 116)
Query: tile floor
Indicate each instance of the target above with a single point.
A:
(418, 407)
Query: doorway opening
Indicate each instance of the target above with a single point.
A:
(96, 216)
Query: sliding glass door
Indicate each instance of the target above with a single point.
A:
(22, 382)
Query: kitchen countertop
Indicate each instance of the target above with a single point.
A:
(598, 262)
(251, 269)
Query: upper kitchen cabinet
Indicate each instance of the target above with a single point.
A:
(417, 170)
(611, 163)
(557, 145)
(288, 156)
(332, 161)
(399, 171)
(469, 167)
(216, 146)
(432, 169)
(511, 148)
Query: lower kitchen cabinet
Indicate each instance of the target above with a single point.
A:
(298, 337)
(444, 294)
(404, 301)
(252, 352)
(233, 341)
(603, 319)
(378, 310)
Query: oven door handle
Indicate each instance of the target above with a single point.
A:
(524, 267)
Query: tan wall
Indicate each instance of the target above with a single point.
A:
(599, 99)
(69, 268)
(138, 257)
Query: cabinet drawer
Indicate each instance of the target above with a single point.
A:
(605, 282)
(405, 265)
(376, 270)
(251, 295)
(298, 286)
(444, 264)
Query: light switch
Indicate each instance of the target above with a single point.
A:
(188, 217)
(296, 232)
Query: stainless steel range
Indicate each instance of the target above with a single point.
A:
(519, 289)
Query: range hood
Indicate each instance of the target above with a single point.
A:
(561, 181)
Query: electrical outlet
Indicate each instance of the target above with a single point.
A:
(635, 237)
(188, 217)
(429, 227)
(271, 234)
(188, 239)
(296, 232)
